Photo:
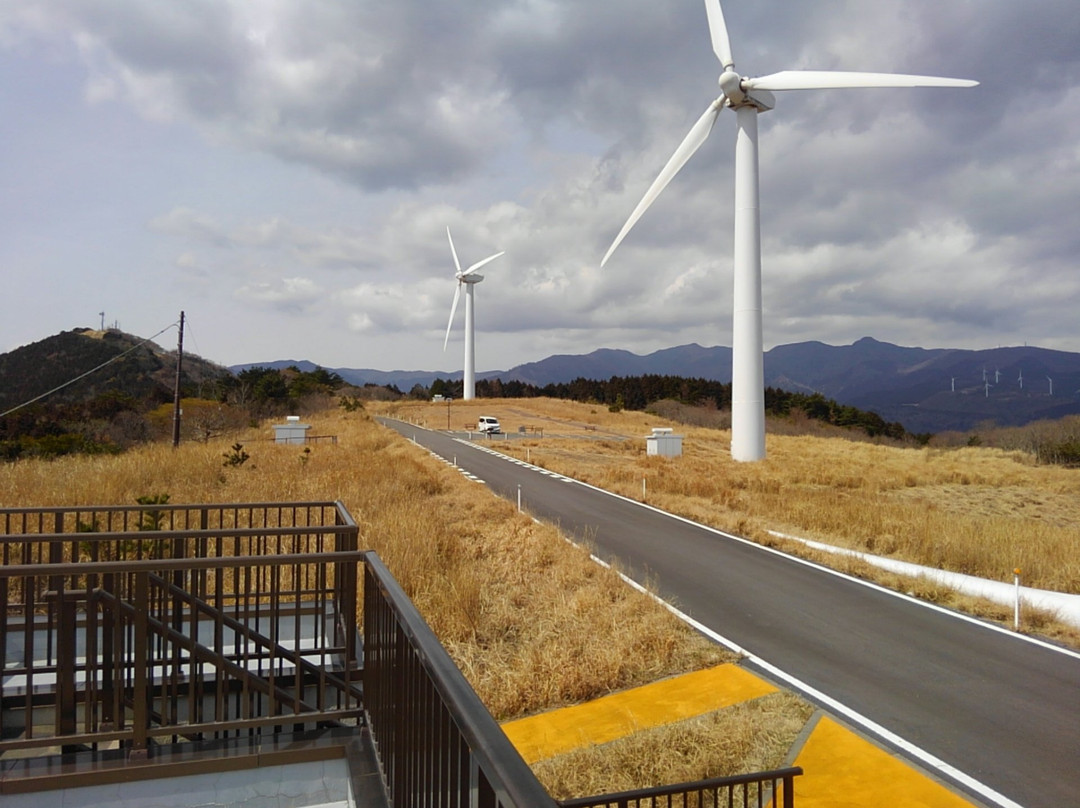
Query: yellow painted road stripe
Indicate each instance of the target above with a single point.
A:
(620, 714)
(841, 768)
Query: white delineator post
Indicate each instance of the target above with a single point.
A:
(1016, 608)
(747, 369)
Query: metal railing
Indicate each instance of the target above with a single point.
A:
(159, 623)
(772, 788)
(129, 627)
(437, 743)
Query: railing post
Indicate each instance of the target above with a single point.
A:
(65, 662)
(789, 790)
(141, 715)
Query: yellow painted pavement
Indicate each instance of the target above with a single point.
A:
(841, 769)
(611, 717)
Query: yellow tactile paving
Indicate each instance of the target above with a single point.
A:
(620, 714)
(843, 770)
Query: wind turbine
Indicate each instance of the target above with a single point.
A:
(747, 97)
(468, 279)
(1051, 385)
(1020, 379)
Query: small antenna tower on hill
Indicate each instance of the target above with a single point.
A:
(102, 320)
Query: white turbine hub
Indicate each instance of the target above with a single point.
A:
(731, 84)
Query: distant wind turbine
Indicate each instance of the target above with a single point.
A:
(747, 97)
(997, 377)
(954, 384)
(468, 279)
(1051, 385)
(987, 389)
(1020, 379)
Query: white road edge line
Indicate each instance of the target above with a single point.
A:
(856, 718)
(814, 565)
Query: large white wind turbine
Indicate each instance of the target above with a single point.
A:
(747, 97)
(469, 278)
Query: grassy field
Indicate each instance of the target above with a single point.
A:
(532, 621)
(979, 511)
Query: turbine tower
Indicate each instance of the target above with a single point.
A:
(748, 97)
(469, 278)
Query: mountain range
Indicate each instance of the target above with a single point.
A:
(925, 389)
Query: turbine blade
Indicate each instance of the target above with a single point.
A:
(453, 311)
(479, 264)
(721, 45)
(839, 80)
(457, 264)
(691, 143)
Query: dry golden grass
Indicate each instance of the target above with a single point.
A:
(974, 510)
(532, 621)
(518, 608)
(747, 737)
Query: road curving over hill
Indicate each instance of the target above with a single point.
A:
(1001, 712)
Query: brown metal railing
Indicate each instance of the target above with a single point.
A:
(171, 623)
(437, 743)
(772, 788)
(126, 628)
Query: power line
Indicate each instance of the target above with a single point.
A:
(93, 370)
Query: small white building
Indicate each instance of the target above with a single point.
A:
(664, 443)
(292, 431)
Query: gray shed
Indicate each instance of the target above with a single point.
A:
(292, 431)
(663, 442)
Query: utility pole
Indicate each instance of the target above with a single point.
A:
(176, 387)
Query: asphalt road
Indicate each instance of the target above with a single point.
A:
(997, 708)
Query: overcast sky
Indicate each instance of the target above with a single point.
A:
(284, 171)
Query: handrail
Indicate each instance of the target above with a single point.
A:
(656, 795)
(176, 564)
(406, 668)
(172, 506)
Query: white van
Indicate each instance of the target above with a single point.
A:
(489, 424)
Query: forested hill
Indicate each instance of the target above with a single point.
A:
(127, 365)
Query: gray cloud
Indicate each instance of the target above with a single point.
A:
(534, 126)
